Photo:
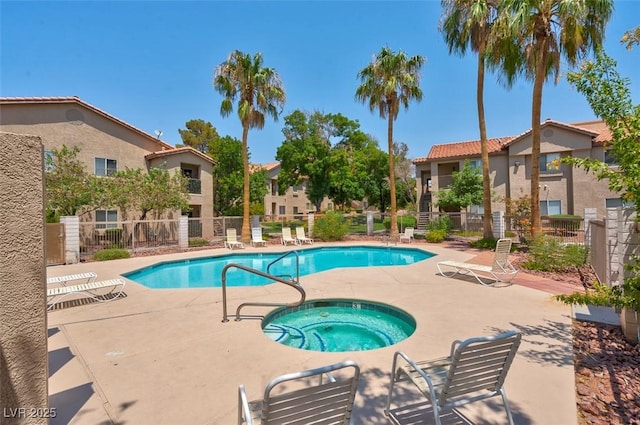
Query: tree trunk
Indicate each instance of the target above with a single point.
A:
(487, 219)
(392, 180)
(246, 207)
(536, 112)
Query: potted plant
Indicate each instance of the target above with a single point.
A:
(624, 298)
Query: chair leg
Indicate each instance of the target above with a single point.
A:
(506, 406)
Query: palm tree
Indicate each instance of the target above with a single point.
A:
(466, 24)
(259, 92)
(536, 35)
(390, 80)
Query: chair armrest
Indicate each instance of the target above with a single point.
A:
(244, 411)
(415, 367)
(454, 346)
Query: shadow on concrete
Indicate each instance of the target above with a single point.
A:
(58, 358)
(68, 403)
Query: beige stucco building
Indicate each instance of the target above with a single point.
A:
(108, 144)
(563, 189)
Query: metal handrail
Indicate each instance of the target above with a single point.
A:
(286, 254)
(293, 284)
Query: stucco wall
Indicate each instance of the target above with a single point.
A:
(23, 318)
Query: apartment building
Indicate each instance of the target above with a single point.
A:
(563, 189)
(108, 144)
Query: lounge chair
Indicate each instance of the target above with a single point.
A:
(301, 237)
(63, 280)
(286, 237)
(91, 289)
(232, 239)
(500, 271)
(256, 237)
(407, 236)
(312, 396)
(474, 370)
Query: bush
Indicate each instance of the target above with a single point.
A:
(548, 254)
(436, 235)
(441, 223)
(330, 227)
(111, 254)
(404, 221)
(196, 242)
(484, 243)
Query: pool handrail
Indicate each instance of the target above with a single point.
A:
(292, 283)
(283, 256)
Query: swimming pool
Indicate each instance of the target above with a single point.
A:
(207, 271)
(338, 325)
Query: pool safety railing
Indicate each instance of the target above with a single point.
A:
(293, 283)
(282, 257)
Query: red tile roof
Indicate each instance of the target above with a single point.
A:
(76, 99)
(175, 151)
(463, 149)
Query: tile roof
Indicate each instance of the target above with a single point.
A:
(76, 99)
(175, 151)
(267, 167)
(597, 129)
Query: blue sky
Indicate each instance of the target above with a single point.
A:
(150, 63)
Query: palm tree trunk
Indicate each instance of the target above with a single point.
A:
(246, 225)
(536, 113)
(392, 180)
(487, 219)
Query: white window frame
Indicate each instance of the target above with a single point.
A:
(547, 160)
(106, 219)
(545, 206)
(104, 168)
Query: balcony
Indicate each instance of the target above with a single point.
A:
(194, 186)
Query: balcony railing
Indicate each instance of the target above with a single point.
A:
(194, 186)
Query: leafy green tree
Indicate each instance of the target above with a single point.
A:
(227, 175)
(67, 183)
(466, 189)
(405, 172)
(390, 80)
(259, 93)
(631, 38)
(198, 134)
(534, 37)
(258, 191)
(467, 24)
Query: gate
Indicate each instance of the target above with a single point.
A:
(55, 244)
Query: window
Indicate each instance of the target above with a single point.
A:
(617, 203)
(550, 207)
(609, 159)
(476, 164)
(476, 209)
(49, 161)
(106, 167)
(106, 219)
(549, 162)
(281, 210)
(295, 210)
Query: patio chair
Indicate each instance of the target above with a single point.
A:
(256, 237)
(501, 269)
(232, 239)
(87, 277)
(312, 396)
(91, 289)
(474, 370)
(301, 237)
(286, 237)
(407, 235)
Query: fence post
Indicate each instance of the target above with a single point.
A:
(498, 224)
(310, 222)
(589, 214)
(183, 231)
(71, 238)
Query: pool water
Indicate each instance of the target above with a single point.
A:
(207, 271)
(339, 325)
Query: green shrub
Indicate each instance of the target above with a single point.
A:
(330, 227)
(436, 235)
(196, 242)
(111, 254)
(548, 254)
(484, 243)
(441, 223)
(404, 221)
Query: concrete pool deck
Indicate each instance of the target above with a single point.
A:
(165, 357)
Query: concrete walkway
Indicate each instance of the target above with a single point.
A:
(165, 357)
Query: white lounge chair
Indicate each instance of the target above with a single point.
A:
(320, 396)
(286, 237)
(88, 277)
(232, 239)
(91, 289)
(256, 237)
(501, 269)
(407, 236)
(474, 370)
(301, 237)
